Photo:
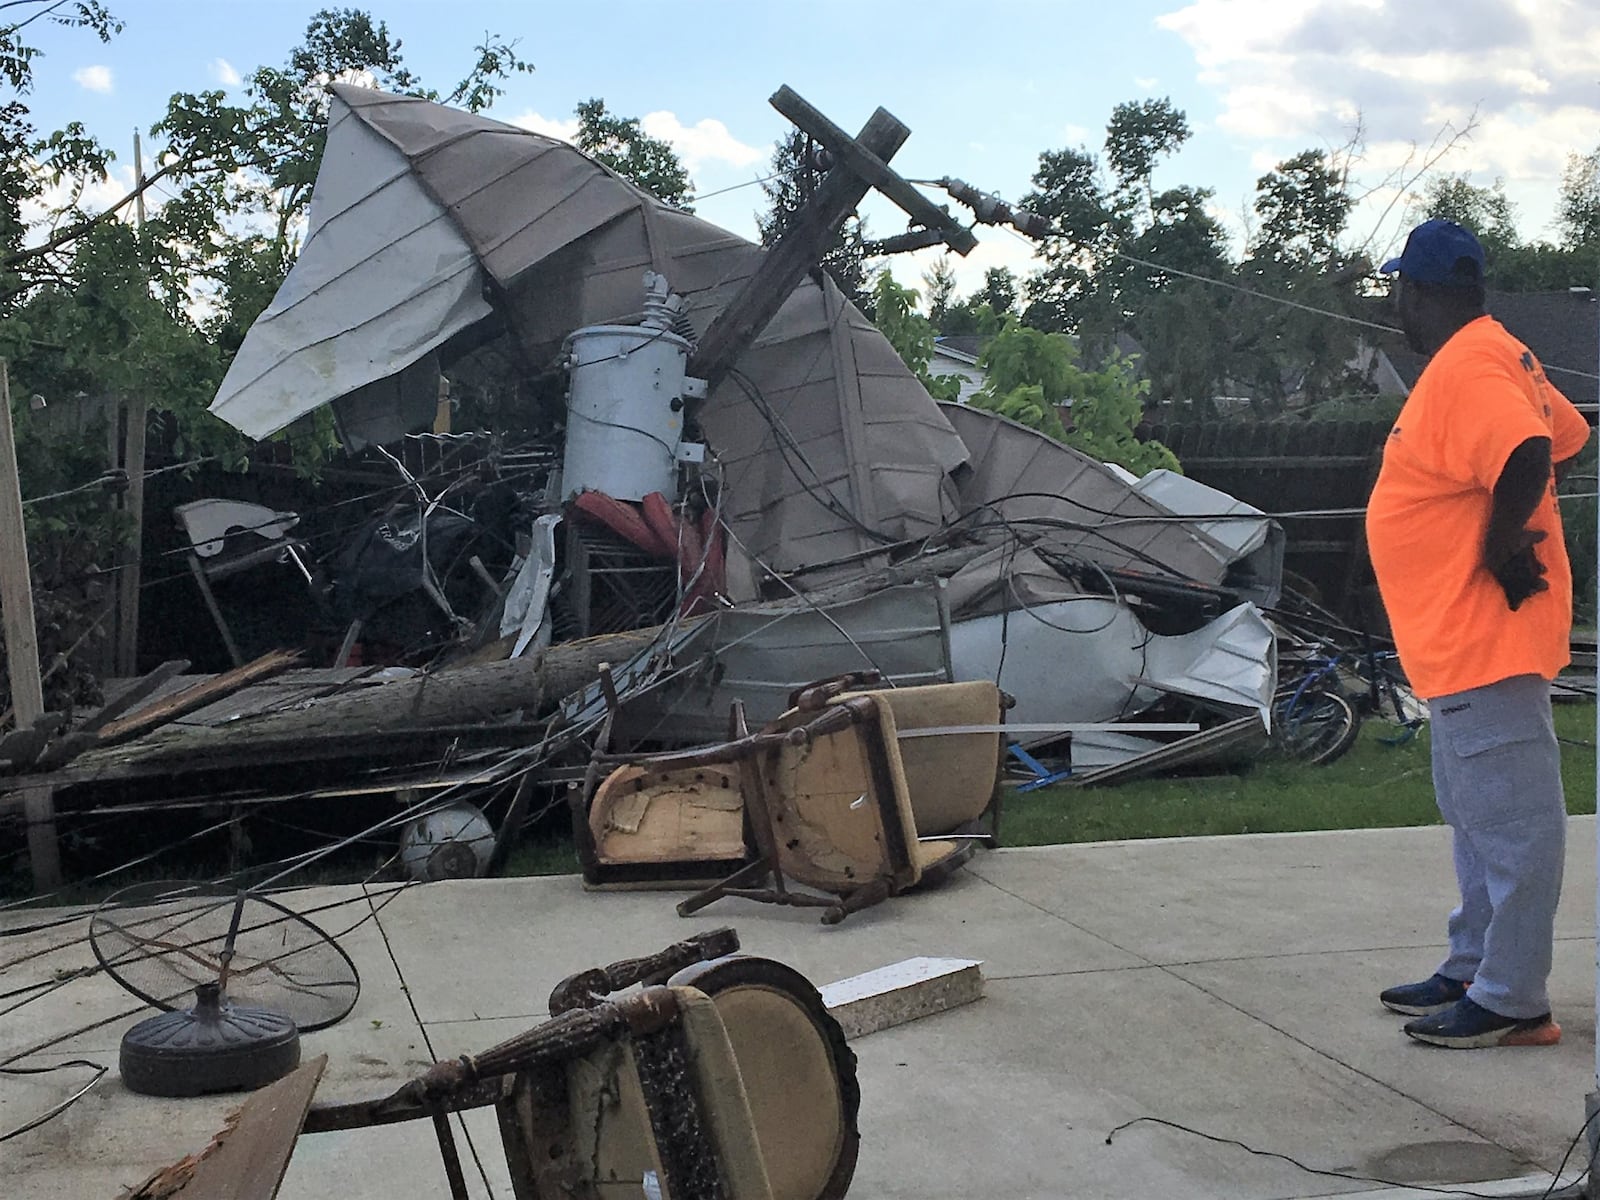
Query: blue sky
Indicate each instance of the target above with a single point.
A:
(984, 87)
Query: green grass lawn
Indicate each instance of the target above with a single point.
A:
(1373, 786)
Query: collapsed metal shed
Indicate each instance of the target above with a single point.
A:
(433, 230)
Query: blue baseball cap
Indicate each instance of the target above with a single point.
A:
(1434, 252)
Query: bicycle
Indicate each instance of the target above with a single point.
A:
(1318, 720)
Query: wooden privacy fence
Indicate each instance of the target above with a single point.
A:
(1283, 466)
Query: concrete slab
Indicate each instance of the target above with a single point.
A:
(1528, 1101)
(1224, 984)
(1188, 899)
(544, 929)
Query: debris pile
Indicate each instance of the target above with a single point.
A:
(708, 474)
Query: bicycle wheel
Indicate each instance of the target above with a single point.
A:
(1321, 727)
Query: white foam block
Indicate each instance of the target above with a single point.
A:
(901, 992)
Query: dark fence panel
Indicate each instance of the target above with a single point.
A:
(1284, 466)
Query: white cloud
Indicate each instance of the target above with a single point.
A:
(1292, 75)
(995, 248)
(1146, 83)
(554, 127)
(98, 195)
(95, 79)
(1075, 135)
(223, 72)
(706, 141)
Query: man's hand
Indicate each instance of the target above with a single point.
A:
(1519, 573)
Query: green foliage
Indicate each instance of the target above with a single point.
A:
(1031, 374)
(1487, 211)
(1375, 786)
(1104, 272)
(1511, 264)
(940, 280)
(1579, 206)
(794, 177)
(999, 291)
(910, 333)
(623, 145)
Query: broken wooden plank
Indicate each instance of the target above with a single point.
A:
(247, 1158)
(901, 992)
(198, 696)
(141, 690)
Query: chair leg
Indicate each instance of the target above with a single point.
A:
(214, 609)
(744, 877)
(874, 891)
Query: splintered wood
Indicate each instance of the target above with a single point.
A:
(901, 992)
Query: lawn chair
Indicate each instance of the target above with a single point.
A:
(838, 793)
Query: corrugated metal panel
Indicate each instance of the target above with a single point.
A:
(1124, 530)
(384, 278)
(759, 655)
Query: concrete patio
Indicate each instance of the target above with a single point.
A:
(1227, 984)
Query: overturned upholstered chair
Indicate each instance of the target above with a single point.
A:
(861, 795)
(797, 1073)
(680, 1090)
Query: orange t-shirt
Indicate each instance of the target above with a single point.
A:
(1480, 397)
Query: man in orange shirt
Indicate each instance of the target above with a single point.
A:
(1466, 541)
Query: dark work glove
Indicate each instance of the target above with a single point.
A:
(1521, 574)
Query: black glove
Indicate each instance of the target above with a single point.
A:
(1521, 574)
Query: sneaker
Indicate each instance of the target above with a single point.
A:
(1466, 1025)
(1423, 999)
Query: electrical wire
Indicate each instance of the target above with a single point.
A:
(99, 1074)
(731, 188)
(1555, 1181)
(822, 612)
(787, 443)
(1284, 301)
(117, 478)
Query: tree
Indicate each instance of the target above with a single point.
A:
(912, 335)
(1515, 265)
(999, 290)
(1579, 207)
(1031, 375)
(622, 144)
(1126, 253)
(940, 280)
(27, 161)
(1278, 350)
(794, 175)
(103, 309)
(1487, 211)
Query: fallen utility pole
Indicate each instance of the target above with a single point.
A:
(863, 163)
(22, 644)
(467, 702)
(796, 253)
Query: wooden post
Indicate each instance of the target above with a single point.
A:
(128, 578)
(22, 643)
(127, 654)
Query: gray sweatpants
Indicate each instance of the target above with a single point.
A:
(1497, 778)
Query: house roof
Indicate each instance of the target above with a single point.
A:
(1561, 328)
(963, 343)
(1563, 331)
